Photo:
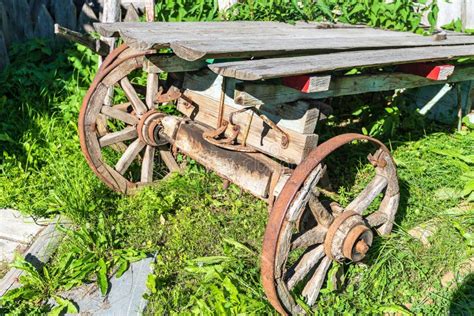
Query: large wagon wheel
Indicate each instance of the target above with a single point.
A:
(337, 234)
(130, 127)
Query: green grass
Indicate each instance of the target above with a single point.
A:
(207, 241)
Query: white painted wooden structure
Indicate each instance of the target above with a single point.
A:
(226, 4)
(453, 10)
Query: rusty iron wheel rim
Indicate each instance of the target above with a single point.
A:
(278, 225)
(130, 60)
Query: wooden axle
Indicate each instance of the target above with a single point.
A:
(253, 172)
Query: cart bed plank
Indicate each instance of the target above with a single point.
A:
(255, 46)
(232, 28)
(198, 40)
(289, 66)
(256, 94)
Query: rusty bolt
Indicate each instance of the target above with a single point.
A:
(362, 247)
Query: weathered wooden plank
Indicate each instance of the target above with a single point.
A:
(132, 14)
(129, 156)
(168, 159)
(304, 266)
(170, 63)
(313, 287)
(113, 29)
(297, 41)
(44, 24)
(139, 4)
(256, 94)
(301, 117)
(290, 66)
(22, 19)
(4, 25)
(98, 46)
(150, 10)
(147, 164)
(152, 85)
(86, 18)
(261, 137)
(283, 45)
(113, 138)
(368, 195)
(137, 103)
(4, 59)
(238, 28)
(119, 115)
(64, 12)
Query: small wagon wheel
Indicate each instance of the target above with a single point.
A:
(130, 127)
(338, 233)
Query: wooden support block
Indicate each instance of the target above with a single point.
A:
(308, 83)
(256, 94)
(428, 70)
(261, 136)
(170, 63)
(301, 116)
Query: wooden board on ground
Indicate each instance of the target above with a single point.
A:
(256, 94)
(290, 66)
(261, 136)
(301, 116)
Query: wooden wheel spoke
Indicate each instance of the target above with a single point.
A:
(117, 137)
(313, 236)
(122, 106)
(129, 155)
(168, 159)
(368, 195)
(151, 89)
(313, 287)
(320, 212)
(304, 265)
(147, 164)
(117, 114)
(294, 212)
(376, 219)
(137, 103)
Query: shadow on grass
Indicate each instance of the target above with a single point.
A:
(31, 88)
(462, 302)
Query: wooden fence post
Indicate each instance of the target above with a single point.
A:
(150, 10)
(226, 4)
(4, 60)
(110, 14)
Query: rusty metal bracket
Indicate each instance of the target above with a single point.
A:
(172, 94)
(212, 136)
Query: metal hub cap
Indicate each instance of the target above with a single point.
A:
(149, 126)
(348, 237)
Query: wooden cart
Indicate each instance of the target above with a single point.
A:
(251, 119)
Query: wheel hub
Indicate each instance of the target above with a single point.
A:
(148, 128)
(348, 237)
